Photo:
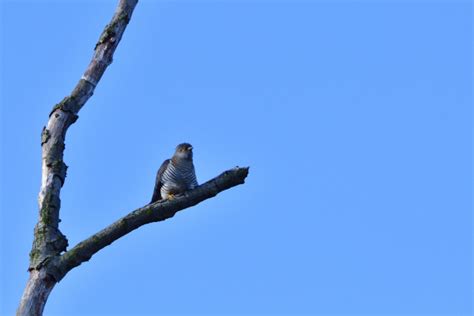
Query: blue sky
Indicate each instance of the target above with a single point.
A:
(354, 116)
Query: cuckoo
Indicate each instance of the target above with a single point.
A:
(176, 175)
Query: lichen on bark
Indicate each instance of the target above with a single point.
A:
(110, 30)
(45, 135)
(48, 242)
(66, 105)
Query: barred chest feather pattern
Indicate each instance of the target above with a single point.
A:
(178, 177)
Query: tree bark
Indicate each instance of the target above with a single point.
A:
(49, 260)
(36, 293)
(48, 241)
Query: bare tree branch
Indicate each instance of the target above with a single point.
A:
(48, 241)
(155, 212)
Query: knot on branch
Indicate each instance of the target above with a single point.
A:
(70, 105)
(48, 242)
(58, 168)
(110, 32)
(66, 105)
(45, 135)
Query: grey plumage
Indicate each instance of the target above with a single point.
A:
(176, 175)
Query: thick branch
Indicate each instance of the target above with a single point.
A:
(36, 293)
(155, 212)
(49, 241)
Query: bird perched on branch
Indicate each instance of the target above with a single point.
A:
(176, 175)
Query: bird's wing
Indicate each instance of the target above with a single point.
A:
(158, 183)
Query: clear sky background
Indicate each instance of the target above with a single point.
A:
(355, 118)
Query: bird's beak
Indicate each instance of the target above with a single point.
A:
(190, 148)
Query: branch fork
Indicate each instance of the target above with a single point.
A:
(49, 260)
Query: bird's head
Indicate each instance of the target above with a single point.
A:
(184, 151)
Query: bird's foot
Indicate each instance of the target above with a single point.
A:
(170, 197)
